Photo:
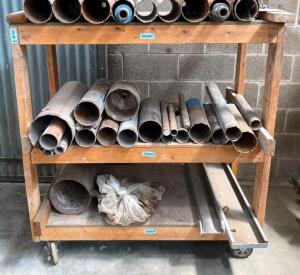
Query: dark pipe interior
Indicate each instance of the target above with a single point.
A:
(246, 9)
(150, 131)
(96, 10)
(38, 11)
(107, 136)
(127, 137)
(171, 14)
(200, 132)
(85, 138)
(67, 11)
(246, 143)
(219, 137)
(120, 2)
(48, 142)
(182, 136)
(174, 132)
(167, 139)
(195, 10)
(86, 113)
(256, 125)
(233, 133)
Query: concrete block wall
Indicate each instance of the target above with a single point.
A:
(162, 71)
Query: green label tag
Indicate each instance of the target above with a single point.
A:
(14, 36)
(147, 35)
(149, 154)
(150, 231)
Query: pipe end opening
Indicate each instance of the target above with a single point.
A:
(150, 131)
(233, 133)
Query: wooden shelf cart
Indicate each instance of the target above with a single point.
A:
(53, 34)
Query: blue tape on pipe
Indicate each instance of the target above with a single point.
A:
(194, 101)
(123, 8)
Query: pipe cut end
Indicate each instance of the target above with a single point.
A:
(220, 11)
(38, 11)
(67, 11)
(146, 11)
(233, 133)
(85, 138)
(87, 114)
(169, 10)
(107, 136)
(127, 138)
(218, 137)
(182, 136)
(200, 133)
(245, 10)
(150, 131)
(167, 139)
(195, 10)
(246, 143)
(256, 125)
(123, 11)
(95, 11)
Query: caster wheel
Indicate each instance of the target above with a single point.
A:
(241, 253)
(53, 253)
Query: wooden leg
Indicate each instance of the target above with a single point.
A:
(52, 69)
(21, 74)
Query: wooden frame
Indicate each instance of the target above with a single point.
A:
(55, 34)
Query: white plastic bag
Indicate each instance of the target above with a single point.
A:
(125, 203)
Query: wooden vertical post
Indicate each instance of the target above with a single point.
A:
(269, 108)
(52, 69)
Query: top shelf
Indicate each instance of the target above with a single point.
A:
(155, 33)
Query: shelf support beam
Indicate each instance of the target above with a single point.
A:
(52, 69)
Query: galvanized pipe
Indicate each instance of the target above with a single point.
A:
(225, 117)
(128, 133)
(86, 135)
(150, 124)
(95, 11)
(220, 10)
(200, 131)
(108, 131)
(38, 11)
(167, 139)
(70, 192)
(184, 112)
(146, 10)
(90, 108)
(66, 11)
(172, 120)
(218, 137)
(248, 140)
(165, 119)
(122, 101)
(173, 11)
(62, 146)
(195, 10)
(245, 10)
(183, 134)
(123, 11)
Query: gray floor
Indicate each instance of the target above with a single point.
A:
(18, 255)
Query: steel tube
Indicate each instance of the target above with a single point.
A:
(245, 10)
(167, 139)
(248, 140)
(70, 192)
(90, 108)
(218, 137)
(128, 133)
(86, 135)
(62, 146)
(38, 11)
(123, 11)
(184, 112)
(96, 11)
(146, 10)
(165, 119)
(108, 131)
(225, 117)
(122, 101)
(172, 120)
(172, 11)
(66, 11)
(195, 10)
(245, 109)
(220, 10)
(150, 124)
(183, 134)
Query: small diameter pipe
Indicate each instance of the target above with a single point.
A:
(86, 135)
(90, 108)
(146, 10)
(245, 109)
(184, 112)
(167, 139)
(128, 133)
(150, 123)
(245, 10)
(218, 136)
(108, 131)
(220, 10)
(223, 113)
(66, 11)
(96, 11)
(165, 119)
(62, 145)
(122, 101)
(172, 120)
(200, 131)
(169, 11)
(195, 10)
(123, 11)
(183, 134)
(248, 140)
(38, 11)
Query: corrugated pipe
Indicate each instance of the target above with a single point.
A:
(169, 11)
(245, 10)
(96, 11)
(66, 11)
(195, 10)
(86, 135)
(146, 10)
(183, 134)
(38, 11)
(220, 10)
(108, 131)
(128, 133)
(123, 11)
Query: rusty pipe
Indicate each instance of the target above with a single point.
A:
(150, 124)
(146, 10)
(245, 10)
(123, 11)
(225, 117)
(172, 12)
(66, 11)
(96, 11)
(182, 133)
(122, 101)
(165, 119)
(128, 133)
(220, 10)
(195, 10)
(184, 112)
(86, 135)
(108, 131)
(38, 11)
(90, 108)
(172, 119)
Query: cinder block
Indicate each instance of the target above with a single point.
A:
(128, 49)
(115, 64)
(292, 40)
(290, 5)
(286, 145)
(179, 48)
(292, 121)
(206, 67)
(246, 171)
(144, 89)
(232, 48)
(296, 69)
(288, 168)
(150, 67)
(280, 120)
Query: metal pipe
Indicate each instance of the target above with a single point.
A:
(86, 135)
(200, 131)
(165, 119)
(245, 109)
(248, 140)
(70, 192)
(146, 10)
(225, 117)
(66, 11)
(245, 10)
(108, 131)
(167, 139)
(183, 134)
(184, 112)
(172, 120)
(122, 101)
(96, 11)
(38, 11)
(90, 108)
(62, 146)
(150, 125)
(61, 106)
(218, 137)
(220, 10)
(169, 11)
(128, 133)
(123, 11)
(195, 10)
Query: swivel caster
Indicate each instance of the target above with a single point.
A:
(241, 253)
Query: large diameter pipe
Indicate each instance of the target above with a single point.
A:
(245, 10)
(150, 123)
(200, 131)
(220, 10)
(122, 101)
(86, 135)
(195, 10)
(184, 112)
(96, 11)
(218, 137)
(172, 119)
(245, 109)
(89, 110)
(223, 113)
(38, 11)
(248, 140)
(165, 119)
(169, 11)
(60, 107)
(146, 10)
(123, 11)
(108, 131)
(183, 134)
(66, 11)
(70, 192)
(128, 133)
